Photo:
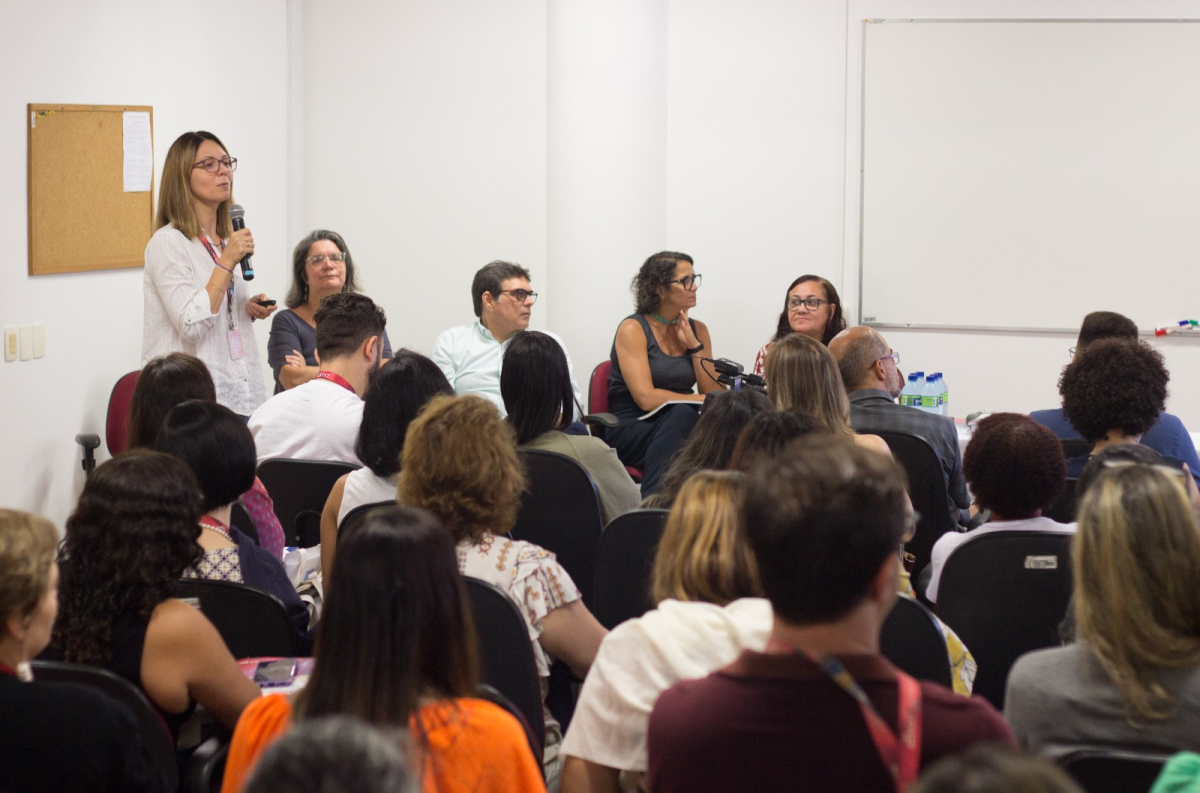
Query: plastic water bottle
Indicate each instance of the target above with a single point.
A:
(911, 395)
(945, 400)
(930, 394)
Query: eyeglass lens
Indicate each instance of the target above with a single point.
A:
(212, 164)
(812, 303)
(521, 295)
(320, 258)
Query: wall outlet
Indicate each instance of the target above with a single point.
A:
(26, 342)
(10, 343)
(39, 340)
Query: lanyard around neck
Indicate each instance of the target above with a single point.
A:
(217, 261)
(333, 377)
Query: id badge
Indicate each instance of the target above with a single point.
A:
(235, 344)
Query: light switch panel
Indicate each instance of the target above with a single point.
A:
(26, 342)
(39, 340)
(10, 343)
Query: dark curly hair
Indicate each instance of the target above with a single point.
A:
(133, 533)
(656, 272)
(1014, 465)
(1114, 384)
(837, 321)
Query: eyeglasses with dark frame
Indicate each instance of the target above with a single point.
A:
(521, 295)
(213, 165)
(811, 303)
(688, 282)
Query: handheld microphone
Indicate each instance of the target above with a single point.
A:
(237, 216)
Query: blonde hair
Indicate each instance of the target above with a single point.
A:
(460, 463)
(803, 375)
(27, 547)
(1137, 574)
(175, 191)
(703, 555)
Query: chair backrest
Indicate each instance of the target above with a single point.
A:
(116, 424)
(1075, 447)
(299, 489)
(205, 769)
(926, 488)
(486, 692)
(912, 641)
(150, 726)
(1004, 593)
(560, 511)
(598, 388)
(624, 562)
(356, 515)
(1100, 770)
(506, 653)
(253, 623)
(1067, 505)
(240, 519)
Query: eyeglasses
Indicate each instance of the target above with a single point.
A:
(320, 258)
(895, 356)
(212, 164)
(688, 282)
(811, 303)
(521, 295)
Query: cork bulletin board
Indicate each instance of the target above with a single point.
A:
(81, 217)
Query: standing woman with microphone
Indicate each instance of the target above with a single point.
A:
(194, 300)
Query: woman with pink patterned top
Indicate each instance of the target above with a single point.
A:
(460, 464)
(811, 307)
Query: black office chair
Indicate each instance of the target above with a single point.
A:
(204, 771)
(299, 489)
(356, 516)
(624, 562)
(486, 692)
(240, 519)
(926, 488)
(1067, 505)
(150, 726)
(1004, 594)
(560, 511)
(253, 623)
(912, 641)
(506, 658)
(1100, 770)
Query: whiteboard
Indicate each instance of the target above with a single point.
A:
(1018, 174)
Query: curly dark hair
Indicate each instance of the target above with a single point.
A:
(1114, 384)
(133, 533)
(1014, 465)
(656, 272)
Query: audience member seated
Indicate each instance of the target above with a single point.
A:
(319, 420)
(334, 753)
(709, 609)
(802, 375)
(768, 435)
(172, 380)
(1168, 436)
(1014, 466)
(873, 382)
(321, 266)
(398, 392)
(57, 736)
(1112, 393)
(537, 391)
(460, 463)
(711, 443)
(812, 307)
(133, 533)
(396, 650)
(1132, 680)
(216, 445)
(471, 356)
(824, 525)
(995, 769)
(656, 360)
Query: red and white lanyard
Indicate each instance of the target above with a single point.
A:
(217, 260)
(337, 379)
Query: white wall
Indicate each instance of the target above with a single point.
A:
(197, 73)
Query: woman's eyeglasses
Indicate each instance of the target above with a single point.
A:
(320, 258)
(212, 164)
(811, 303)
(688, 282)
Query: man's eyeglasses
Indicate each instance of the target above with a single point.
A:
(521, 295)
(895, 356)
(212, 164)
(688, 282)
(320, 258)
(811, 303)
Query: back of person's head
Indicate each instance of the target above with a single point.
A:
(1114, 384)
(802, 375)
(711, 442)
(132, 534)
(821, 521)
(703, 554)
(396, 625)
(1105, 325)
(1119, 454)
(856, 350)
(27, 547)
(994, 768)
(536, 385)
(460, 463)
(1137, 571)
(1014, 466)
(490, 278)
(165, 382)
(344, 321)
(398, 392)
(216, 444)
(767, 435)
(335, 755)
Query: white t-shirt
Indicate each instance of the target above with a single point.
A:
(314, 421)
(643, 657)
(364, 487)
(948, 542)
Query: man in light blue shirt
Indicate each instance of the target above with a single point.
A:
(471, 356)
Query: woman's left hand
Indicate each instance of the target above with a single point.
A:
(256, 309)
(687, 336)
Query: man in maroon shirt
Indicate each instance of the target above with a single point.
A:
(825, 525)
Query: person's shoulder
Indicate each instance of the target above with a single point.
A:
(165, 240)
(968, 718)
(285, 319)
(451, 336)
(1039, 666)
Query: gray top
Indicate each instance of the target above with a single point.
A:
(289, 332)
(1062, 698)
(669, 372)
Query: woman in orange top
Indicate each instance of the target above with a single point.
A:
(396, 647)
